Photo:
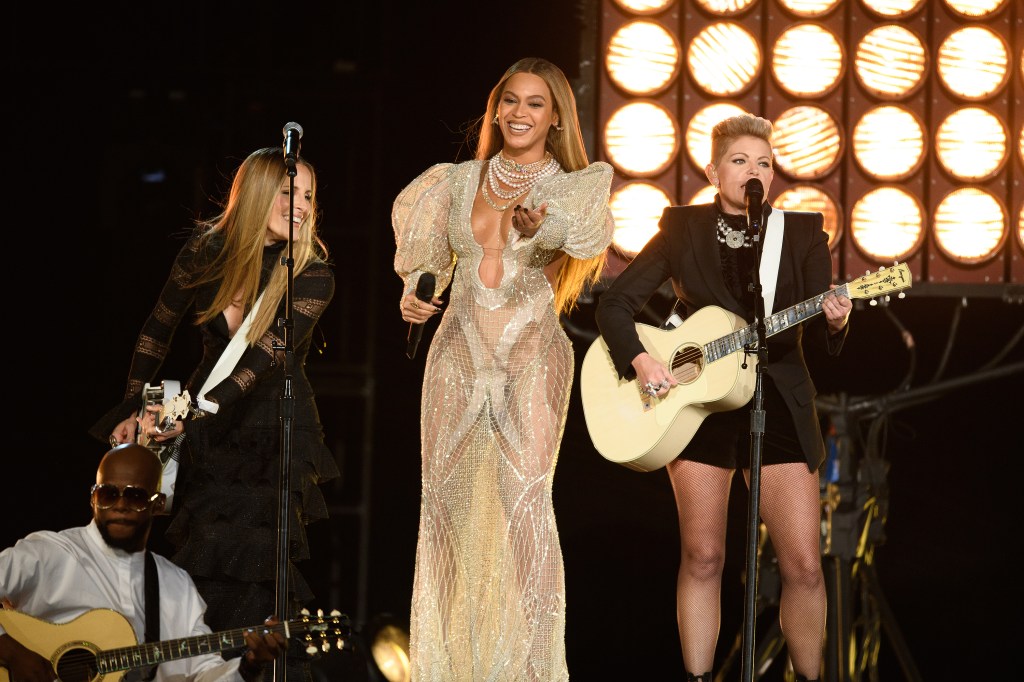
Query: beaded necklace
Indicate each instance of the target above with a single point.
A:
(520, 178)
(732, 237)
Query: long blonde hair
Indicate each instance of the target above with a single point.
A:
(566, 145)
(242, 227)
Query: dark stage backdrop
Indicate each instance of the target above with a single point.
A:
(125, 124)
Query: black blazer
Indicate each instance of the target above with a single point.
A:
(685, 250)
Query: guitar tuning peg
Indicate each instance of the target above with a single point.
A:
(335, 613)
(902, 294)
(340, 644)
(310, 650)
(325, 647)
(319, 613)
(887, 299)
(304, 611)
(867, 272)
(873, 302)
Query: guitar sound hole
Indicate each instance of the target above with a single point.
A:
(687, 364)
(77, 665)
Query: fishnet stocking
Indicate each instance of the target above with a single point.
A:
(702, 499)
(790, 509)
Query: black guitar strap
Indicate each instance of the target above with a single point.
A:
(152, 606)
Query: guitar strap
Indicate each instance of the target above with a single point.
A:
(771, 254)
(152, 606)
(225, 364)
(228, 359)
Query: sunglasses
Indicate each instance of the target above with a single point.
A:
(106, 495)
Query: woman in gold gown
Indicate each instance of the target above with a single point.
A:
(528, 223)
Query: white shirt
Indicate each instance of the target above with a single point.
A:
(58, 576)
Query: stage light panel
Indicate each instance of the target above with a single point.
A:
(642, 58)
(969, 226)
(973, 62)
(806, 141)
(643, 6)
(971, 144)
(888, 143)
(705, 195)
(724, 7)
(698, 131)
(805, 197)
(893, 9)
(890, 62)
(641, 138)
(809, 9)
(723, 59)
(807, 60)
(637, 208)
(975, 9)
(887, 224)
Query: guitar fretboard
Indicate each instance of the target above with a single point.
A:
(148, 654)
(746, 338)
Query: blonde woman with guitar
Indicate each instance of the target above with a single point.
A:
(707, 253)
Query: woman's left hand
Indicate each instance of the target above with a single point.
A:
(526, 221)
(837, 310)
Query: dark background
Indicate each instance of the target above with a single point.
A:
(125, 123)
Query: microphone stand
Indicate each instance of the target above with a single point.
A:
(757, 420)
(287, 413)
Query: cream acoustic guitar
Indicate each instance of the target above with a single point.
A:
(100, 645)
(708, 355)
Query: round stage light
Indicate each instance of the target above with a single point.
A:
(637, 208)
(642, 58)
(888, 143)
(807, 60)
(724, 7)
(641, 138)
(698, 131)
(970, 226)
(809, 9)
(807, 142)
(893, 9)
(705, 195)
(971, 144)
(975, 9)
(723, 59)
(973, 62)
(643, 6)
(887, 224)
(811, 198)
(890, 62)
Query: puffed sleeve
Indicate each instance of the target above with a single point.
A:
(420, 220)
(578, 220)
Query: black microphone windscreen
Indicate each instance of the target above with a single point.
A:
(754, 188)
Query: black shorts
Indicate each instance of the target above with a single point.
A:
(723, 438)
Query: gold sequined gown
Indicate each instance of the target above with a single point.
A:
(489, 589)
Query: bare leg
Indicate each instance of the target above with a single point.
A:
(791, 511)
(702, 499)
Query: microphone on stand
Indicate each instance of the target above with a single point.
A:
(753, 198)
(292, 134)
(424, 292)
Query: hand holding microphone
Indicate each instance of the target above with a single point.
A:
(416, 313)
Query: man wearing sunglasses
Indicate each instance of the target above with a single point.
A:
(58, 576)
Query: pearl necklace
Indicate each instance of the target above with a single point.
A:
(520, 178)
(732, 237)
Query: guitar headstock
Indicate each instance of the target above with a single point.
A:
(884, 281)
(322, 632)
(174, 409)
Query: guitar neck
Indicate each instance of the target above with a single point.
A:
(746, 338)
(153, 653)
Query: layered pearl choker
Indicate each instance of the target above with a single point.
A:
(519, 178)
(732, 237)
